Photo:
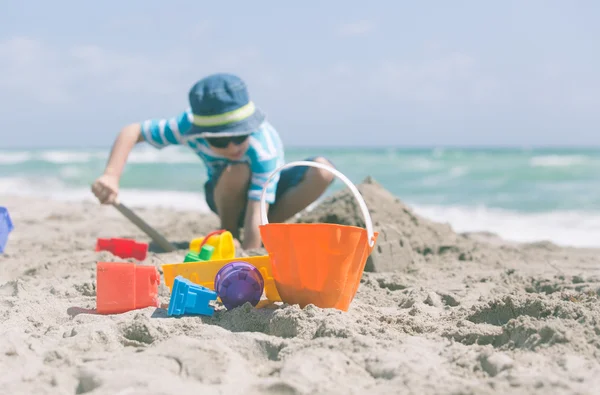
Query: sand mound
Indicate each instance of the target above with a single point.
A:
(405, 239)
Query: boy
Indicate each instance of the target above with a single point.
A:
(240, 150)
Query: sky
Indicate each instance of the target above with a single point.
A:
(335, 73)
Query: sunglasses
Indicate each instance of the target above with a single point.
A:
(223, 142)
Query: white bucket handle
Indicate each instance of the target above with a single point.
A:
(357, 195)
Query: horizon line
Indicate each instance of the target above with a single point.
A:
(342, 147)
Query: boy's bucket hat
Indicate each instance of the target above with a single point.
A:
(221, 107)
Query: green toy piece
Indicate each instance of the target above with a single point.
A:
(206, 252)
(204, 255)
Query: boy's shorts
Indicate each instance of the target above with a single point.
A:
(288, 178)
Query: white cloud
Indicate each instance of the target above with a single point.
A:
(113, 72)
(50, 75)
(236, 60)
(359, 28)
(198, 29)
(65, 77)
(442, 81)
(34, 70)
(28, 67)
(453, 77)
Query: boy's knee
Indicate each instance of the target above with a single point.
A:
(233, 182)
(236, 174)
(324, 175)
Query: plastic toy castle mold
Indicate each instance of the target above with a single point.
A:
(190, 298)
(6, 226)
(203, 273)
(122, 287)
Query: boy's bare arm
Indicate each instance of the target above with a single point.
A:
(129, 136)
(251, 222)
(106, 187)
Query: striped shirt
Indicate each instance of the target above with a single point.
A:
(265, 153)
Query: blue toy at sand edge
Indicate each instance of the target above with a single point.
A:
(190, 298)
(6, 226)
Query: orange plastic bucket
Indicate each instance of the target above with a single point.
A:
(319, 264)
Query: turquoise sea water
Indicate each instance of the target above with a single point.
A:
(521, 194)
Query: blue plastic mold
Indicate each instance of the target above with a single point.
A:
(190, 298)
(6, 226)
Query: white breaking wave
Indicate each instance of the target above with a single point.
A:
(567, 228)
(50, 188)
(138, 155)
(557, 160)
(13, 158)
(66, 157)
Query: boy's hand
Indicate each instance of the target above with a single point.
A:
(236, 243)
(106, 188)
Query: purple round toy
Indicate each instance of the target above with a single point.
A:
(237, 283)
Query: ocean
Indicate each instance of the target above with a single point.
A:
(520, 194)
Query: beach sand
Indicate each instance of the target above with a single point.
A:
(436, 313)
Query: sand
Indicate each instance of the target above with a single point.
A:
(436, 313)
